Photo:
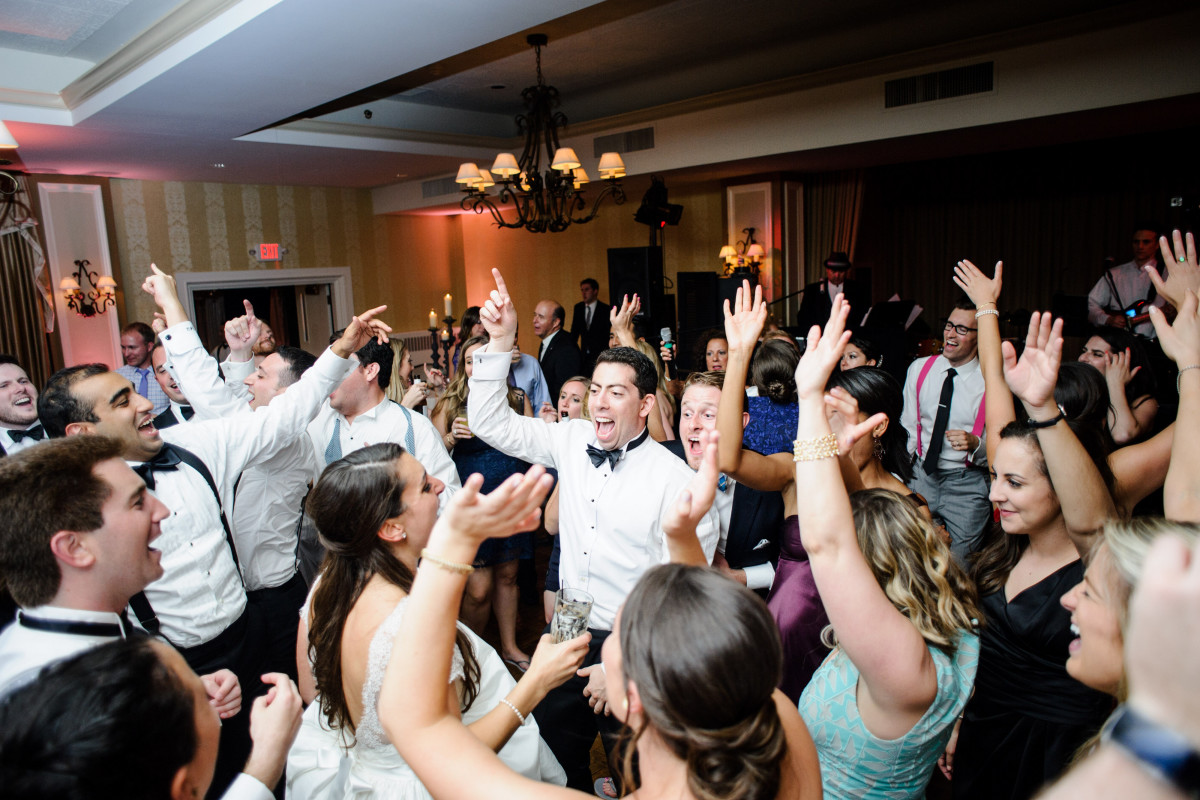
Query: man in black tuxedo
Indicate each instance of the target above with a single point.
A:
(748, 548)
(590, 323)
(558, 355)
(818, 297)
(180, 409)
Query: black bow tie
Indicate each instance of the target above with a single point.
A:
(36, 432)
(188, 412)
(599, 456)
(108, 630)
(164, 459)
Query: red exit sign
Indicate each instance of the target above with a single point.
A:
(268, 252)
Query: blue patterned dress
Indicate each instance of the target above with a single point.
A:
(857, 764)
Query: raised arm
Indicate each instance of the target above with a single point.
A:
(984, 292)
(449, 760)
(1181, 342)
(891, 656)
(1128, 423)
(684, 515)
(1084, 497)
(620, 320)
(743, 323)
(1184, 273)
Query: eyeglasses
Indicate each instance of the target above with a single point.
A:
(961, 330)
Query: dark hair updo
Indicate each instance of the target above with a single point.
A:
(709, 703)
(773, 370)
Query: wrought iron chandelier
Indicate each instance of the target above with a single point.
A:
(549, 201)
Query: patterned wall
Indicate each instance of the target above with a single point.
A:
(211, 227)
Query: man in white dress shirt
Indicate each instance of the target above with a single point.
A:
(950, 467)
(77, 528)
(19, 426)
(359, 413)
(199, 605)
(1128, 283)
(616, 484)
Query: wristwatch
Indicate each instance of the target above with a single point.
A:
(1049, 423)
(1164, 753)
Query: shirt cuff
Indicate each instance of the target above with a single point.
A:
(180, 338)
(759, 576)
(490, 366)
(247, 787)
(236, 371)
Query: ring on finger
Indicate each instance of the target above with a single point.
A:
(1182, 259)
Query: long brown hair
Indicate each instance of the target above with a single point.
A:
(708, 703)
(353, 499)
(454, 401)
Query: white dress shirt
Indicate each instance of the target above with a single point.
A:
(201, 592)
(1132, 285)
(386, 423)
(265, 512)
(13, 447)
(610, 519)
(24, 651)
(154, 392)
(964, 409)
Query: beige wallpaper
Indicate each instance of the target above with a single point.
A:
(210, 227)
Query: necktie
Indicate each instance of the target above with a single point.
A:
(37, 432)
(163, 460)
(587, 317)
(188, 412)
(599, 456)
(723, 482)
(940, 423)
(541, 350)
(144, 382)
(333, 450)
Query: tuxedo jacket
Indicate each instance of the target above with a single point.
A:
(816, 305)
(560, 361)
(754, 522)
(166, 419)
(594, 340)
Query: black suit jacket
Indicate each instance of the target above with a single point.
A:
(754, 523)
(594, 340)
(166, 419)
(816, 305)
(560, 361)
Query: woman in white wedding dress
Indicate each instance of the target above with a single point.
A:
(375, 509)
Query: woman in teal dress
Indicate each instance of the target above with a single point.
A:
(883, 704)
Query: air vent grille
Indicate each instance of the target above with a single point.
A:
(957, 82)
(438, 188)
(626, 142)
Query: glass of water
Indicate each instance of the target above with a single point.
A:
(572, 607)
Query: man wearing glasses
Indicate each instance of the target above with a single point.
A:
(944, 415)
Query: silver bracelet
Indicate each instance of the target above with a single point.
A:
(985, 311)
(520, 716)
(1179, 376)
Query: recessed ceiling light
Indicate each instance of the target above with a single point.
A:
(219, 165)
(499, 86)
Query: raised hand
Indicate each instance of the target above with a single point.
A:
(824, 352)
(512, 507)
(160, 286)
(548, 413)
(745, 321)
(554, 664)
(159, 323)
(1182, 271)
(436, 378)
(1116, 370)
(981, 289)
(1033, 377)
(498, 315)
(362, 329)
(1180, 340)
(242, 332)
(621, 320)
(697, 497)
(843, 419)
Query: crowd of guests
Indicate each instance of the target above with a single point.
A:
(272, 574)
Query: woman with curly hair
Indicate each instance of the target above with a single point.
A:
(902, 612)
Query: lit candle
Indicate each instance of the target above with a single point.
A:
(445, 334)
(432, 319)
(449, 313)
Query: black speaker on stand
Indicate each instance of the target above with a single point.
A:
(639, 270)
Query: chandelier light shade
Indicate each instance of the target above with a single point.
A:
(540, 201)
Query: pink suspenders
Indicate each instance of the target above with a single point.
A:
(979, 418)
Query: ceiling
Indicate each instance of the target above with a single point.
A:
(274, 91)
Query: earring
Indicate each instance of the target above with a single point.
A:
(625, 704)
(879, 451)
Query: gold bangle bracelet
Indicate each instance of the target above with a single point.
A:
(815, 449)
(449, 566)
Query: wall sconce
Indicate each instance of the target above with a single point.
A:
(744, 258)
(97, 299)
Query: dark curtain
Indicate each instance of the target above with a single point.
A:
(1052, 214)
(25, 313)
(833, 204)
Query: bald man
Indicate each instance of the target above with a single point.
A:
(558, 356)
